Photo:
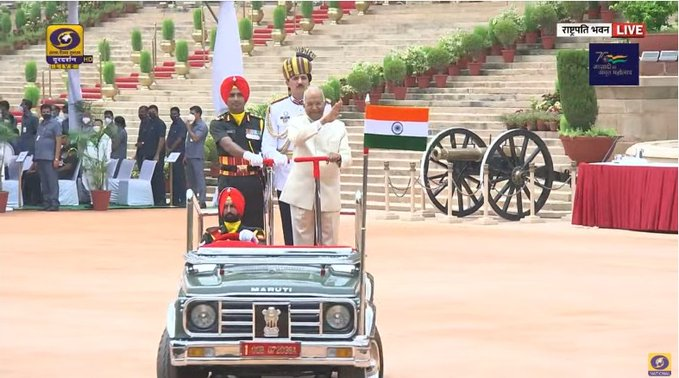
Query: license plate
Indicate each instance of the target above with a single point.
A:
(264, 349)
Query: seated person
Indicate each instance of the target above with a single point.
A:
(231, 205)
(31, 181)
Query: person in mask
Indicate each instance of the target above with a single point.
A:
(97, 148)
(119, 148)
(155, 150)
(231, 207)
(7, 119)
(143, 136)
(108, 118)
(194, 155)
(48, 157)
(175, 142)
(29, 127)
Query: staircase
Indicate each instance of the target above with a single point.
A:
(473, 102)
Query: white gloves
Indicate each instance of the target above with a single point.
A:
(247, 235)
(280, 159)
(255, 160)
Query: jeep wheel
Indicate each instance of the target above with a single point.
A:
(376, 369)
(164, 368)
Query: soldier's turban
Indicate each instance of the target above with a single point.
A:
(237, 81)
(298, 64)
(233, 196)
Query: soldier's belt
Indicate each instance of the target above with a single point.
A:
(239, 170)
(229, 160)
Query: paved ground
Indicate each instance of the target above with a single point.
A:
(547, 300)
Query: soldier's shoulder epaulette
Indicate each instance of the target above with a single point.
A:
(222, 117)
(254, 117)
(278, 100)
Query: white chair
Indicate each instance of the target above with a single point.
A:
(138, 192)
(111, 168)
(124, 173)
(13, 183)
(68, 189)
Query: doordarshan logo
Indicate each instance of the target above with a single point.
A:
(65, 39)
(659, 364)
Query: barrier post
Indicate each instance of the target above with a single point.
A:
(532, 218)
(388, 215)
(426, 213)
(449, 217)
(485, 218)
(412, 215)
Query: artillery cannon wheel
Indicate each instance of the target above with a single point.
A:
(508, 160)
(465, 173)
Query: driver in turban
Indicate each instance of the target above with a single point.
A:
(238, 135)
(231, 207)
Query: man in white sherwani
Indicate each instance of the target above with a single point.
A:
(315, 134)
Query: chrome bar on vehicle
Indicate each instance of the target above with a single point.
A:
(269, 217)
(189, 219)
(360, 245)
(301, 258)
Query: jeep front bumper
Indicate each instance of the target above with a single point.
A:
(224, 353)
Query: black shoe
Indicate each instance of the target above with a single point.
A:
(203, 205)
(45, 207)
(53, 208)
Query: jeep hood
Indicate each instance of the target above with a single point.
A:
(271, 280)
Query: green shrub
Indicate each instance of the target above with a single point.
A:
(439, 58)
(181, 51)
(104, 50)
(334, 4)
(210, 149)
(213, 38)
(145, 62)
(529, 20)
(472, 44)
(307, 9)
(33, 94)
(394, 69)
(506, 32)
(655, 14)
(360, 81)
(374, 72)
(575, 9)
(578, 98)
(198, 18)
(256, 5)
(50, 9)
(109, 73)
(5, 24)
(483, 31)
(546, 17)
(136, 40)
(35, 12)
(279, 17)
(453, 44)
(31, 71)
(245, 29)
(20, 19)
(335, 86)
(416, 57)
(168, 29)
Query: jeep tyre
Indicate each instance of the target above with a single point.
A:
(164, 367)
(377, 362)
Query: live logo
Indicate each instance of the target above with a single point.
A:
(628, 30)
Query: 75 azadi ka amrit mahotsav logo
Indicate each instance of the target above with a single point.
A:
(613, 59)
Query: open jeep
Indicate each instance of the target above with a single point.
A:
(253, 310)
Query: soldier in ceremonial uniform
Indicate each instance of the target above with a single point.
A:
(231, 205)
(275, 144)
(238, 135)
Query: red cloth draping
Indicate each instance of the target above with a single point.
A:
(627, 197)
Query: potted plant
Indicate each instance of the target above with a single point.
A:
(257, 13)
(50, 10)
(213, 39)
(417, 58)
(472, 45)
(136, 45)
(439, 58)
(513, 120)
(104, 48)
(593, 10)
(335, 12)
(31, 74)
(245, 32)
(581, 141)
(656, 16)
(575, 9)
(531, 24)
(359, 80)
(452, 43)
(483, 31)
(506, 32)
(211, 156)
(307, 22)
(199, 35)
(347, 92)
(33, 94)
(546, 17)
(6, 135)
(20, 20)
(394, 73)
(146, 66)
(553, 121)
(182, 55)
(167, 44)
(109, 89)
(35, 12)
(278, 33)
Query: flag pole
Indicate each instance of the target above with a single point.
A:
(362, 272)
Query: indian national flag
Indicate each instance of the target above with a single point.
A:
(396, 127)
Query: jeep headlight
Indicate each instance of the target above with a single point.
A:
(203, 316)
(337, 317)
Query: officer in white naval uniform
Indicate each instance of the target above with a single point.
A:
(275, 144)
(316, 134)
